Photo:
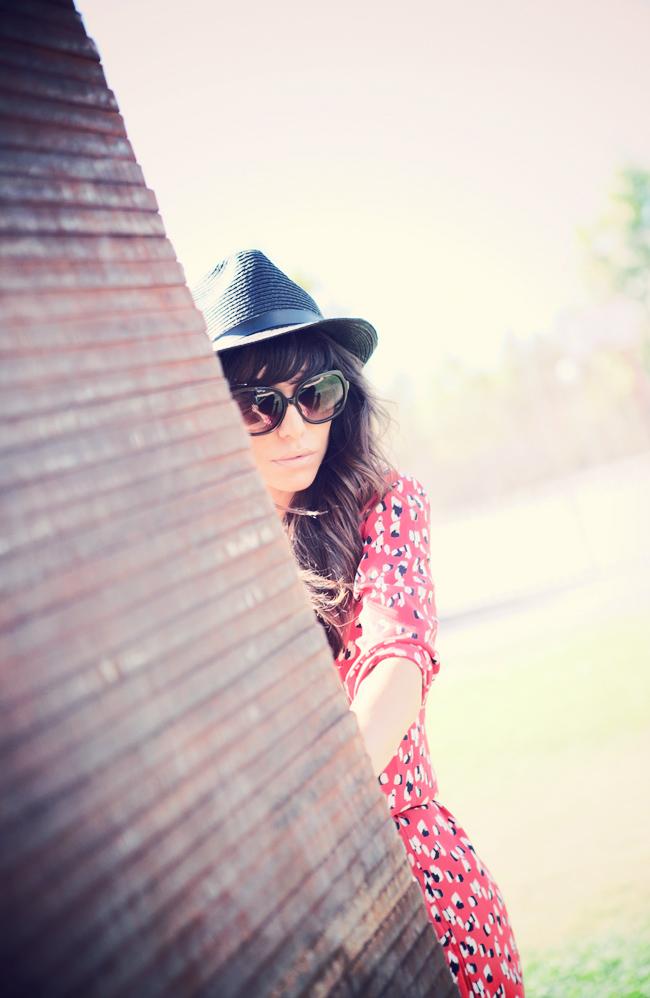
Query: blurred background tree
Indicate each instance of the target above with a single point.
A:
(619, 243)
(559, 399)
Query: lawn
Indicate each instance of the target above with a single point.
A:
(540, 734)
(608, 967)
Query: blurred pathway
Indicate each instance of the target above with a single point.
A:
(573, 531)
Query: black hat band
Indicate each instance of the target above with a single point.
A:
(273, 319)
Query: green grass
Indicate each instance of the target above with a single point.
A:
(538, 728)
(610, 968)
(545, 695)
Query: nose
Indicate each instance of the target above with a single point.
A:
(293, 425)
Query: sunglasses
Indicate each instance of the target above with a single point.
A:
(318, 400)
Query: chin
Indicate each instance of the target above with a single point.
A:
(295, 481)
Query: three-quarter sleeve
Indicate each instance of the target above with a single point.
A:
(393, 587)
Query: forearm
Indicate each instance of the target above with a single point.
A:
(386, 705)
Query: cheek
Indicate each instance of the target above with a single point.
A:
(326, 428)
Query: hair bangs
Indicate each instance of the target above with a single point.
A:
(279, 359)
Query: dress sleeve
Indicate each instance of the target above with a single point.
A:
(393, 586)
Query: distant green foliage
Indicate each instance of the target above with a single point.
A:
(619, 243)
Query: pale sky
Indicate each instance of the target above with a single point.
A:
(425, 166)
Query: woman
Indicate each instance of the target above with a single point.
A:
(359, 532)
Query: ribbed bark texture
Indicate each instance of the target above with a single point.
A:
(186, 807)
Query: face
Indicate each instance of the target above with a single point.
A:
(283, 473)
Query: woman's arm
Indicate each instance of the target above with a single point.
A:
(386, 705)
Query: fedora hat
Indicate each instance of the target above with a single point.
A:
(246, 298)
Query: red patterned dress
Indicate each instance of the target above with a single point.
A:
(395, 616)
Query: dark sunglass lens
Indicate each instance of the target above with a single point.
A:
(322, 397)
(261, 410)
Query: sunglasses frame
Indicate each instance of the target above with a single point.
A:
(285, 401)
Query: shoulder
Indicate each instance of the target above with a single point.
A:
(405, 500)
(395, 538)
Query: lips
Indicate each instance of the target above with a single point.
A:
(295, 457)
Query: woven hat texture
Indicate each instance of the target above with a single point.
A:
(246, 298)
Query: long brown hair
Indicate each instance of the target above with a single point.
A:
(323, 522)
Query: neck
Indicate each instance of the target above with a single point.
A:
(281, 500)
(280, 510)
